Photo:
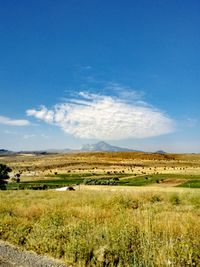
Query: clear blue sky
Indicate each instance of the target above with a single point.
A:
(136, 64)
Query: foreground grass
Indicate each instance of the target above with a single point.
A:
(89, 228)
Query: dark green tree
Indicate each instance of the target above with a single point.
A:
(4, 170)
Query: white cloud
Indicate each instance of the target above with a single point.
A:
(11, 122)
(106, 118)
(43, 114)
(126, 93)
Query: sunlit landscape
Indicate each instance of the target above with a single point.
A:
(127, 209)
(99, 133)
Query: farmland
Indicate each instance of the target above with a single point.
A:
(128, 209)
(123, 168)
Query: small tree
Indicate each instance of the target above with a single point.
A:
(16, 178)
(4, 170)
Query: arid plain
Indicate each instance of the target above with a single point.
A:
(169, 169)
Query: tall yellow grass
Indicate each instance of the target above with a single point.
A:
(92, 228)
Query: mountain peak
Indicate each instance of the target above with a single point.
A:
(102, 143)
(103, 146)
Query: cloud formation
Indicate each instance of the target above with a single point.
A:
(11, 122)
(105, 118)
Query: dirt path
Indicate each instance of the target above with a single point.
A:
(11, 256)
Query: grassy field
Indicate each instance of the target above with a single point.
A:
(105, 228)
(191, 184)
(129, 209)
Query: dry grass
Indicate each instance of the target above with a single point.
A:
(155, 225)
(37, 167)
(105, 228)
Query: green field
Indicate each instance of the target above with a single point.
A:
(191, 184)
(59, 180)
(160, 179)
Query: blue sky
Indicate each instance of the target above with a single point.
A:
(75, 72)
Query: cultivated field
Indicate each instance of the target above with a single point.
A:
(130, 168)
(128, 209)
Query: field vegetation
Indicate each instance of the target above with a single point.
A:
(123, 168)
(128, 209)
(104, 228)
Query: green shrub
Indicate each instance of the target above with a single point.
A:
(155, 198)
(175, 199)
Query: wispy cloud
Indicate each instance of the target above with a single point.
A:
(123, 92)
(106, 117)
(12, 122)
(26, 136)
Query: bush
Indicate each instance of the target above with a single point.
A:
(175, 199)
(89, 181)
(155, 198)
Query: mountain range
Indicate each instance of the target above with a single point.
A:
(98, 147)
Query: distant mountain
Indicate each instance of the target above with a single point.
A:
(102, 146)
(98, 147)
(5, 152)
(45, 152)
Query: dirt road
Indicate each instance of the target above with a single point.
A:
(10, 256)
